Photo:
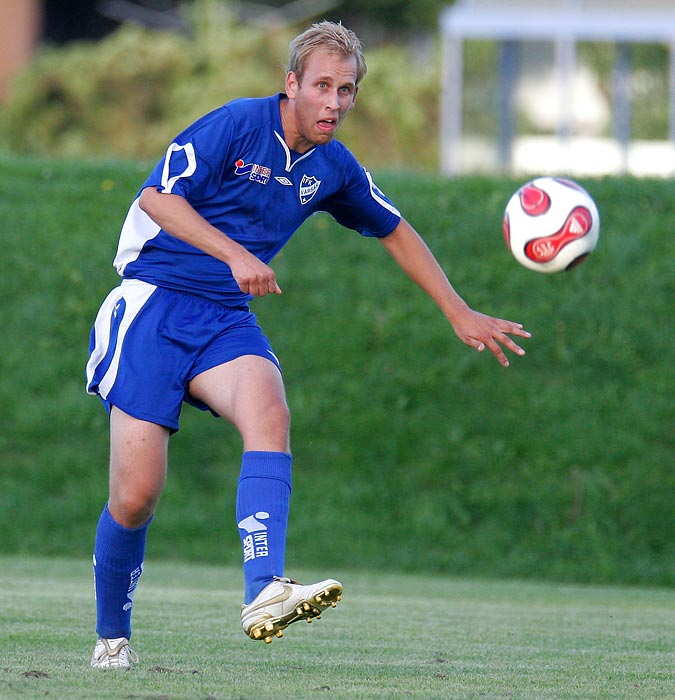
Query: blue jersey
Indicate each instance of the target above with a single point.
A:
(235, 169)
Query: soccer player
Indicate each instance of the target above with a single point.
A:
(194, 250)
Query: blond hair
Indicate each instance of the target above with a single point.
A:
(325, 36)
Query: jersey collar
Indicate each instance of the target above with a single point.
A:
(292, 158)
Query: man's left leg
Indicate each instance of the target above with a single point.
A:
(249, 392)
(263, 498)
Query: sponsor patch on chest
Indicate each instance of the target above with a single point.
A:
(255, 172)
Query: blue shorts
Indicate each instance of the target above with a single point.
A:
(148, 342)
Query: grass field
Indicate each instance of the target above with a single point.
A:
(558, 468)
(393, 636)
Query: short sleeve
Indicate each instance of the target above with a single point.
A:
(193, 163)
(361, 205)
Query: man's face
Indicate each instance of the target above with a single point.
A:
(322, 99)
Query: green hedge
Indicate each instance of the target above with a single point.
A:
(129, 94)
(411, 451)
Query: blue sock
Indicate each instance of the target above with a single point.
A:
(263, 499)
(118, 564)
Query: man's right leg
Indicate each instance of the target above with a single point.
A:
(138, 459)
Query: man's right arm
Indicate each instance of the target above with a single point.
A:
(175, 215)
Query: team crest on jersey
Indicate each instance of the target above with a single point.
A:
(308, 187)
(255, 172)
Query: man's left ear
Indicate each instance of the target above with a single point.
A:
(291, 84)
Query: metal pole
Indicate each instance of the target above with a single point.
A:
(451, 105)
(565, 55)
(671, 121)
(621, 98)
(508, 74)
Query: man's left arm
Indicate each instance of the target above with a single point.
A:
(472, 327)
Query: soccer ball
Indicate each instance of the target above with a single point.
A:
(551, 224)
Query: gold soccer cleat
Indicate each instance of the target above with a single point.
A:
(284, 602)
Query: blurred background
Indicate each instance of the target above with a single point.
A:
(576, 86)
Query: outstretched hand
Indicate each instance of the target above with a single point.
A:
(473, 328)
(480, 331)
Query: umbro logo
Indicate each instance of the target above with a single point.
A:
(119, 308)
(284, 181)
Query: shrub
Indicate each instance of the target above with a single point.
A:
(130, 93)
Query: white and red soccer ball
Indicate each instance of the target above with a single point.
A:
(551, 224)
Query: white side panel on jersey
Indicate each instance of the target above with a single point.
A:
(138, 227)
(137, 230)
(126, 300)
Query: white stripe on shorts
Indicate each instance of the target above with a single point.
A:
(135, 294)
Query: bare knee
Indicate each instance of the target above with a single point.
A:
(138, 459)
(249, 393)
(277, 424)
(131, 510)
(267, 429)
(133, 499)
